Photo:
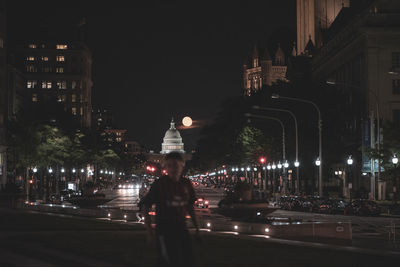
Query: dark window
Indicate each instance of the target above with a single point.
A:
(396, 87)
(396, 59)
(396, 117)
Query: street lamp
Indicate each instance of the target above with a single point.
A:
(395, 160)
(62, 170)
(248, 169)
(73, 170)
(101, 171)
(35, 170)
(286, 164)
(273, 166)
(275, 96)
(242, 169)
(318, 162)
(82, 170)
(296, 164)
(349, 161)
(50, 170)
(279, 165)
(268, 167)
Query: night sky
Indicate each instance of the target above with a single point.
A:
(152, 61)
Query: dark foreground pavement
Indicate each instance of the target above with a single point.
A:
(34, 239)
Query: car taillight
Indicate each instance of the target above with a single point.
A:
(200, 199)
(152, 213)
(206, 202)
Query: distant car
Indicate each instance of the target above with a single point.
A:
(201, 203)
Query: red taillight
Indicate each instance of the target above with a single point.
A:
(206, 202)
(152, 213)
(200, 199)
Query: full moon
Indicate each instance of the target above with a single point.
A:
(187, 121)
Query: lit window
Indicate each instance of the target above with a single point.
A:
(30, 58)
(60, 58)
(34, 98)
(62, 98)
(81, 111)
(32, 46)
(46, 84)
(59, 70)
(73, 110)
(73, 98)
(73, 84)
(61, 46)
(45, 58)
(31, 84)
(31, 68)
(62, 85)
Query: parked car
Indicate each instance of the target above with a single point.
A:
(363, 207)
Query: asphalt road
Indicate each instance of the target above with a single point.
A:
(36, 239)
(368, 232)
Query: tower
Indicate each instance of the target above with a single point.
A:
(266, 67)
(313, 18)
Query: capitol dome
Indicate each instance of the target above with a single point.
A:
(172, 141)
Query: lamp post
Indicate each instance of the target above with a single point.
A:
(296, 164)
(273, 177)
(349, 163)
(319, 133)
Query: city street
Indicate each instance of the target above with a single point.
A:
(28, 239)
(368, 232)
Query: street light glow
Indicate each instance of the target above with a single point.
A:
(273, 166)
(286, 164)
(350, 161)
(62, 170)
(73, 170)
(296, 164)
(50, 170)
(279, 165)
(269, 167)
(318, 162)
(35, 170)
(395, 160)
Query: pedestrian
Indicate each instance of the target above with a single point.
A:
(174, 198)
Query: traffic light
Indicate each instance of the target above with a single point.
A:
(262, 160)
